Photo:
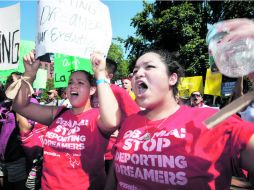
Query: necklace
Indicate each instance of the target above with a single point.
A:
(147, 135)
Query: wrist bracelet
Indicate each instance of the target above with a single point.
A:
(100, 81)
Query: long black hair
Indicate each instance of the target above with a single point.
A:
(170, 59)
(9, 80)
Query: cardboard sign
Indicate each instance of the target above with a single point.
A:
(9, 37)
(213, 83)
(187, 85)
(75, 28)
(41, 79)
(64, 65)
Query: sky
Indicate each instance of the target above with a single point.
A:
(121, 12)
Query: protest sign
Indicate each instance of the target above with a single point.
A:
(41, 79)
(25, 48)
(230, 109)
(64, 65)
(187, 85)
(227, 88)
(213, 83)
(75, 28)
(4, 75)
(9, 37)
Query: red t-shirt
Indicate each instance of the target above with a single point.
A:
(128, 106)
(182, 153)
(32, 141)
(74, 153)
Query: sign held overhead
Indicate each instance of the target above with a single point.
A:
(9, 37)
(75, 28)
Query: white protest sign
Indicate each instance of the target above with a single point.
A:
(75, 28)
(9, 37)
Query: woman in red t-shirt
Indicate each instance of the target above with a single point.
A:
(167, 146)
(75, 141)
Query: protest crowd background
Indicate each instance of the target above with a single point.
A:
(76, 35)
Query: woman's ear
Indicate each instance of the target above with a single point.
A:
(92, 90)
(172, 80)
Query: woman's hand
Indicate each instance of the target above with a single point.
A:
(98, 65)
(31, 64)
(237, 29)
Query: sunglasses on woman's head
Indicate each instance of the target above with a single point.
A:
(196, 95)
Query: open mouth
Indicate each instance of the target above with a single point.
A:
(74, 94)
(141, 88)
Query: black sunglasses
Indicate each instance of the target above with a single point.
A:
(196, 95)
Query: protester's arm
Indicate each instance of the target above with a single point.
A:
(109, 110)
(23, 124)
(111, 182)
(247, 156)
(238, 29)
(22, 104)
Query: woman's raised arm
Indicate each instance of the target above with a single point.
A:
(22, 104)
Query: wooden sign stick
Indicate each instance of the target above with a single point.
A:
(229, 110)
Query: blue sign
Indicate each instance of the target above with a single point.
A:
(227, 88)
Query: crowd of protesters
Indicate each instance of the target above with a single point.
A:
(96, 135)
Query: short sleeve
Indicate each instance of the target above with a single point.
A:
(241, 133)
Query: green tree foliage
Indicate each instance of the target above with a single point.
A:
(230, 9)
(182, 26)
(116, 54)
(49, 86)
